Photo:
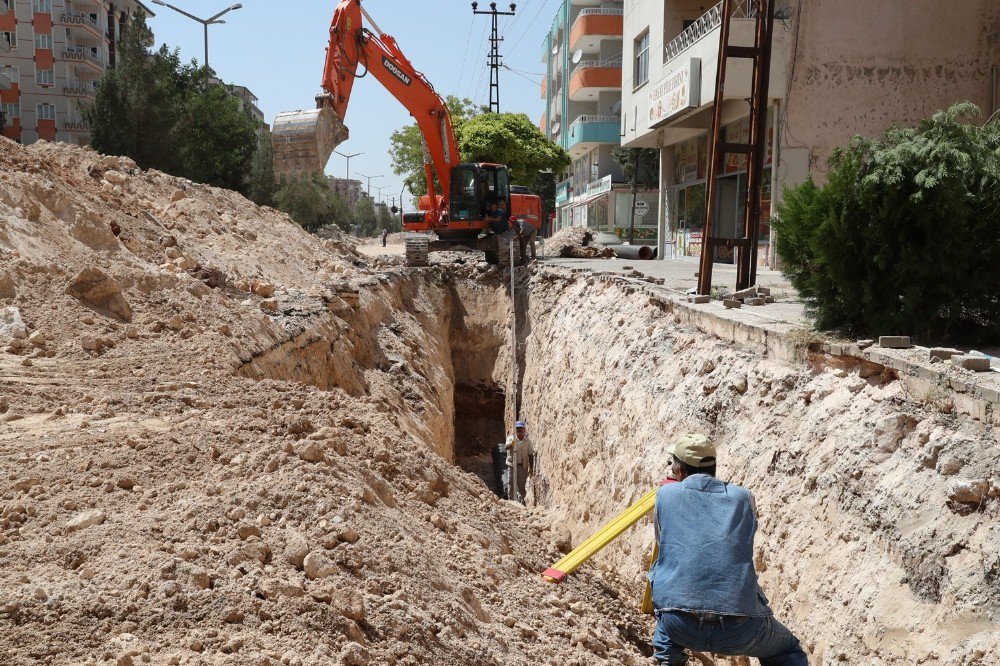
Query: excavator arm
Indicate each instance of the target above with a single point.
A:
(355, 52)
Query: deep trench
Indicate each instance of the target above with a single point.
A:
(612, 380)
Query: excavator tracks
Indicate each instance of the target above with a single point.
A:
(417, 249)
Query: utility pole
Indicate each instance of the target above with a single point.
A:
(381, 175)
(348, 156)
(495, 57)
(214, 20)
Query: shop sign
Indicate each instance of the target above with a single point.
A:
(599, 186)
(679, 91)
(641, 208)
(562, 194)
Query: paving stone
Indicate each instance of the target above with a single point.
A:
(695, 298)
(943, 353)
(865, 344)
(732, 303)
(894, 341)
(974, 363)
(754, 301)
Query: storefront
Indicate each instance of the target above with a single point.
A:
(686, 198)
(606, 206)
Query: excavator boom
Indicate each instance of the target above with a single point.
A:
(304, 140)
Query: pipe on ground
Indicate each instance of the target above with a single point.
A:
(633, 251)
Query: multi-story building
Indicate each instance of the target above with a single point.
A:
(836, 72)
(52, 53)
(248, 101)
(582, 91)
(347, 189)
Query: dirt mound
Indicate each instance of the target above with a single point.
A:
(575, 242)
(219, 434)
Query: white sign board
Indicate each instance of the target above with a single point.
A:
(641, 208)
(599, 186)
(679, 91)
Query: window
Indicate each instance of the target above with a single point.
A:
(641, 71)
(44, 77)
(12, 73)
(42, 6)
(46, 111)
(10, 38)
(43, 41)
(13, 110)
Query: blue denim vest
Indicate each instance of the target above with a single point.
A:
(706, 531)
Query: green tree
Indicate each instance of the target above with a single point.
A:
(904, 236)
(308, 200)
(262, 184)
(511, 139)
(641, 167)
(364, 217)
(170, 116)
(406, 145)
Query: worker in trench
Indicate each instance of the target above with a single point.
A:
(704, 587)
(526, 235)
(520, 457)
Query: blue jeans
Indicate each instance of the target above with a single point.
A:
(761, 637)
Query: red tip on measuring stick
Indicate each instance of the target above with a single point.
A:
(553, 575)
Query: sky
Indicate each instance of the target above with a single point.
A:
(276, 48)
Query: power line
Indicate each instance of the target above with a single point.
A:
(537, 14)
(465, 56)
(473, 83)
(495, 56)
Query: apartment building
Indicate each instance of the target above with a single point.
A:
(52, 53)
(582, 90)
(840, 68)
(348, 189)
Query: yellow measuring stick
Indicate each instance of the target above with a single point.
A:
(602, 538)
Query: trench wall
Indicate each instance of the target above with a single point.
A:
(861, 549)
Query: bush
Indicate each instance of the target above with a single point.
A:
(904, 238)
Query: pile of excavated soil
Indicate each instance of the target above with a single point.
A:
(221, 440)
(575, 242)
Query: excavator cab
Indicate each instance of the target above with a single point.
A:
(480, 193)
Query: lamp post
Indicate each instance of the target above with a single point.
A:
(348, 156)
(381, 175)
(214, 20)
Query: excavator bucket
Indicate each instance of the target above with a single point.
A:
(304, 140)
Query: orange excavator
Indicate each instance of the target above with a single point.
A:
(476, 203)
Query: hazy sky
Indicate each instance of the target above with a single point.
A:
(276, 49)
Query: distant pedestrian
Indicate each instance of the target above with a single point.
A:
(520, 460)
(385, 235)
(526, 233)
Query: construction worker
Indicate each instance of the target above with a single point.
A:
(526, 233)
(385, 235)
(704, 586)
(520, 458)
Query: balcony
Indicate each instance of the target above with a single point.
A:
(82, 89)
(82, 23)
(84, 56)
(545, 88)
(587, 132)
(701, 41)
(76, 125)
(555, 106)
(592, 26)
(591, 77)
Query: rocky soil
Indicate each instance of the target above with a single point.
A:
(879, 510)
(220, 440)
(225, 441)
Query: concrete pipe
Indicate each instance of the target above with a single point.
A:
(633, 251)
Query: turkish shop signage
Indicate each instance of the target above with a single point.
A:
(679, 91)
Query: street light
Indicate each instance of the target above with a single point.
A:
(348, 161)
(214, 20)
(381, 175)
